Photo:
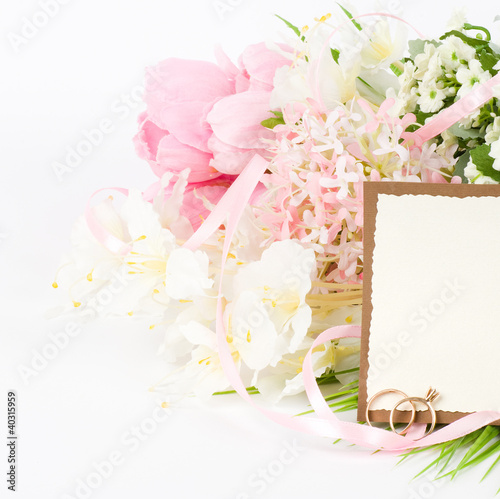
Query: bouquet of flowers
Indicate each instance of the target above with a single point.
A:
(327, 108)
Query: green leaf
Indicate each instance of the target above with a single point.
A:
(489, 451)
(484, 162)
(272, 122)
(444, 452)
(465, 133)
(473, 42)
(290, 25)
(451, 450)
(351, 17)
(396, 70)
(421, 116)
(460, 166)
(251, 390)
(335, 55)
(497, 460)
(418, 46)
(488, 61)
(343, 402)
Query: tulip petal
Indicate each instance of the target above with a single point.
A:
(236, 119)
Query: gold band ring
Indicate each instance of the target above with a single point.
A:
(405, 397)
(432, 395)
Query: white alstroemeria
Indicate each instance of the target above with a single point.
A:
(326, 82)
(156, 254)
(453, 52)
(269, 316)
(383, 47)
(318, 77)
(186, 274)
(286, 377)
(471, 77)
(132, 274)
(203, 373)
(493, 131)
(373, 84)
(290, 85)
(169, 206)
(248, 239)
(475, 176)
(345, 352)
(119, 278)
(201, 309)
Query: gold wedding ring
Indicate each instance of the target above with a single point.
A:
(430, 397)
(384, 392)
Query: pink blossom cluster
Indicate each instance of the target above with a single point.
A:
(315, 188)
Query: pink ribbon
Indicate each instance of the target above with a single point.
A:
(449, 116)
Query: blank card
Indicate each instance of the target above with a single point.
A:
(431, 298)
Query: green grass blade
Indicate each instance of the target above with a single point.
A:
(484, 438)
(290, 25)
(251, 390)
(497, 460)
(351, 17)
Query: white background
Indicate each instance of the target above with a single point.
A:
(82, 406)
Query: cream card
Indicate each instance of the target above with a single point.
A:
(432, 297)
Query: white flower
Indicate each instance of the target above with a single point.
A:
(495, 154)
(286, 378)
(475, 176)
(127, 269)
(453, 51)
(431, 99)
(269, 316)
(186, 274)
(448, 147)
(203, 374)
(382, 47)
(345, 174)
(423, 60)
(458, 19)
(201, 309)
(471, 77)
(493, 131)
(319, 77)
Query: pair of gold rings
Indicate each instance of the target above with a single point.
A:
(431, 396)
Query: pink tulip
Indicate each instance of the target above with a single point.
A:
(207, 117)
